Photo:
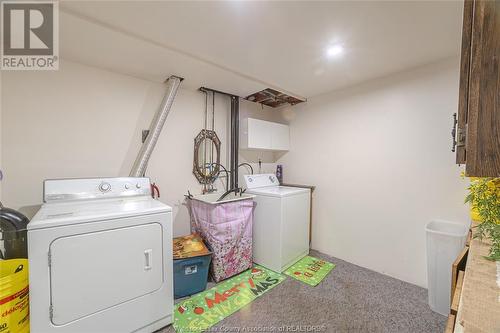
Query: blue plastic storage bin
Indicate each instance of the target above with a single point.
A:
(190, 275)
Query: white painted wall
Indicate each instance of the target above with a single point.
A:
(379, 154)
(82, 121)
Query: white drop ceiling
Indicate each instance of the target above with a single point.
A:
(246, 46)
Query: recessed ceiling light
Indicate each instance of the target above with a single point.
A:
(334, 51)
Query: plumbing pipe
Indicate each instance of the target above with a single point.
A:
(141, 162)
(235, 130)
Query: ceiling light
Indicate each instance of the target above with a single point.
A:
(334, 51)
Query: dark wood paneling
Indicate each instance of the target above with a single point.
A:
(483, 116)
(464, 75)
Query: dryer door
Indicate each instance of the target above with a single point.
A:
(95, 271)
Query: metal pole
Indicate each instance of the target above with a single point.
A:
(235, 129)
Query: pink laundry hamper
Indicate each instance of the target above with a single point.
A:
(227, 229)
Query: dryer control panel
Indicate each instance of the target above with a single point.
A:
(95, 188)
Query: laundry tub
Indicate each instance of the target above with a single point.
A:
(226, 228)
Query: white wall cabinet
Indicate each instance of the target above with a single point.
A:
(256, 134)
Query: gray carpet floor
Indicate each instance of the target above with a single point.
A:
(350, 299)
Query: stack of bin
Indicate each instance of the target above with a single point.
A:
(191, 264)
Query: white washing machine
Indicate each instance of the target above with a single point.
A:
(281, 222)
(100, 258)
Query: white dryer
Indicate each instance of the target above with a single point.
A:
(281, 222)
(100, 258)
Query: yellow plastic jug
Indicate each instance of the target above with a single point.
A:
(14, 298)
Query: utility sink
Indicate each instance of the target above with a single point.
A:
(212, 198)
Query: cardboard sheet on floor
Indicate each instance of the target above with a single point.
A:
(203, 310)
(310, 270)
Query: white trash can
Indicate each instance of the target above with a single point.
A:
(445, 240)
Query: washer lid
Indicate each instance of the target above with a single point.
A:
(278, 191)
(67, 213)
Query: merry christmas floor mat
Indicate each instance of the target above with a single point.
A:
(310, 270)
(207, 308)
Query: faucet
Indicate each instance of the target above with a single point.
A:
(235, 190)
(242, 164)
(223, 169)
(210, 189)
(228, 191)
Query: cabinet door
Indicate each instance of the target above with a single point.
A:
(463, 99)
(280, 137)
(259, 134)
(482, 150)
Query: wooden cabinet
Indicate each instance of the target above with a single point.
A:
(264, 135)
(450, 324)
(478, 127)
(474, 306)
(457, 281)
(457, 267)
